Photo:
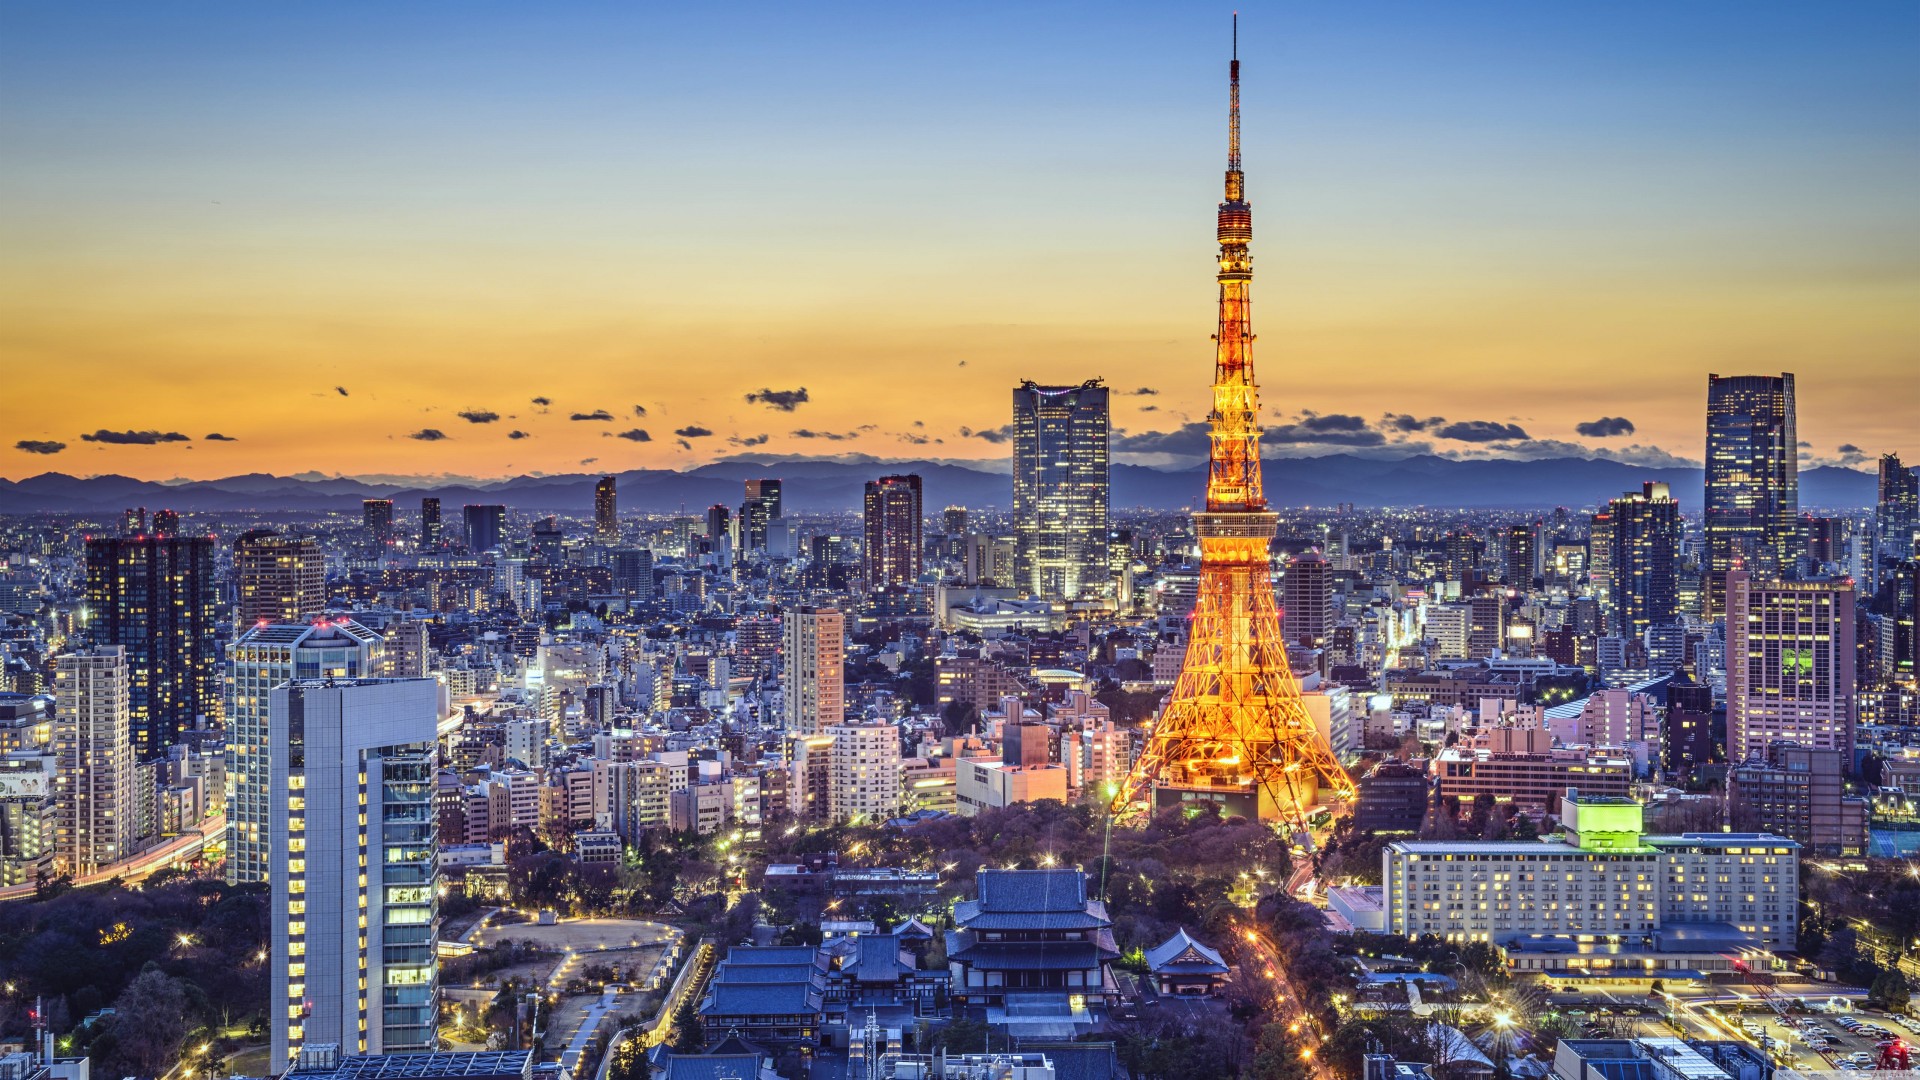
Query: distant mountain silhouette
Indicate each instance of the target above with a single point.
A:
(821, 485)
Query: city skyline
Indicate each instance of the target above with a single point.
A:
(262, 256)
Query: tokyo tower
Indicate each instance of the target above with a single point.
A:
(1234, 730)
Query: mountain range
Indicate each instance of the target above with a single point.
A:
(825, 485)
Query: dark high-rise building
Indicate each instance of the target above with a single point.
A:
(1896, 516)
(893, 531)
(278, 578)
(1306, 600)
(1822, 536)
(486, 526)
(1753, 480)
(548, 540)
(430, 522)
(1061, 490)
(633, 573)
(606, 512)
(758, 511)
(1600, 566)
(379, 519)
(1462, 554)
(1688, 738)
(1645, 552)
(953, 521)
(719, 529)
(133, 521)
(827, 563)
(166, 523)
(1523, 554)
(155, 597)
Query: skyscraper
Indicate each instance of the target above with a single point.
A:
(1306, 600)
(953, 521)
(893, 531)
(166, 523)
(264, 657)
(1753, 479)
(720, 531)
(760, 509)
(379, 520)
(155, 596)
(1896, 516)
(353, 866)
(1791, 663)
(430, 522)
(606, 513)
(93, 789)
(1645, 550)
(632, 572)
(1061, 489)
(279, 578)
(814, 644)
(1235, 731)
(486, 526)
(1523, 554)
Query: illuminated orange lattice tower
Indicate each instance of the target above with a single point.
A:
(1234, 729)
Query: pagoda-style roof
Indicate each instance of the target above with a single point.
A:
(876, 960)
(1182, 955)
(1031, 900)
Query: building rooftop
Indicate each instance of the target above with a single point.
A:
(475, 1065)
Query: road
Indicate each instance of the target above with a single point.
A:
(1259, 958)
(181, 849)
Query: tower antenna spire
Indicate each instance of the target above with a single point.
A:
(1233, 107)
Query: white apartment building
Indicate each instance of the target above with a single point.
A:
(93, 740)
(264, 657)
(863, 772)
(354, 866)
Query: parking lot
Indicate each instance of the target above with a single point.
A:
(1804, 1040)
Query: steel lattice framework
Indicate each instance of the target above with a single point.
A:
(1234, 728)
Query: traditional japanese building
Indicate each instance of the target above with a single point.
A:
(1182, 966)
(1034, 938)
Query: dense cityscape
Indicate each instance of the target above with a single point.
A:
(380, 778)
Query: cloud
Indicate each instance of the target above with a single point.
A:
(640, 411)
(750, 440)
(809, 433)
(911, 438)
(597, 414)
(40, 446)
(1187, 440)
(993, 435)
(543, 401)
(518, 434)
(1482, 431)
(135, 438)
(588, 460)
(684, 444)
(1407, 423)
(1149, 408)
(1849, 448)
(784, 400)
(693, 431)
(341, 390)
(429, 435)
(636, 435)
(1144, 391)
(217, 437)
(478, 416)
(1605, 428)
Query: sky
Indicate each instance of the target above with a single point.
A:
(486, 239)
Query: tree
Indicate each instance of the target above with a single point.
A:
(689, 1034)
(1277, 1057)
(149, 1020)
(1890, 991)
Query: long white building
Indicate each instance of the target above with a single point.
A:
(93, 739)
(1607, 899)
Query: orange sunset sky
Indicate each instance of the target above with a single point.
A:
(1529, 215)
